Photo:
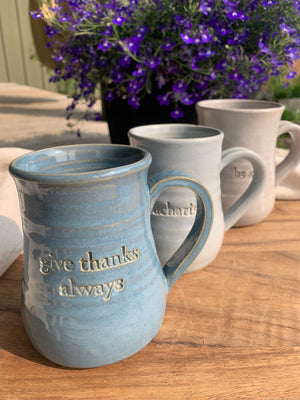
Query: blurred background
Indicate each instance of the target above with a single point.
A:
(19, 62)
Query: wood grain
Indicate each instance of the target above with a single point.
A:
(231, 331)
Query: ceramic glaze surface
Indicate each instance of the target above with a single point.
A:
(94, 291)
(255, 125)
(198, 152)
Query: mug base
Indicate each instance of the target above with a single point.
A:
(81, 354)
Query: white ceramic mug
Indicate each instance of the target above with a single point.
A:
(256, 125)
(197, 151)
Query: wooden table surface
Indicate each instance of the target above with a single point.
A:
(231, 331)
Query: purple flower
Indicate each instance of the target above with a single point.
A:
(104, 46)
(236, 76)
(135, 85)
(268, 3)
(264, 48)
(58, 58)
(230, 3)
(276, 63)
(91, 103)
(133, 44)
(189, 49)
(204, 54)
(125, 61)
(139, 71)
(292, 53)
(168, 45)
(194, 63)
(187, 38)
(101, 62)
(187, 99)
(285, 85)
(258, 68)
(36, 14)
(109, 96)
(287, 29)
(204, 8)
(108, 31)
(221, 65)
(178, 19)
(183, 21)
(153, 63)
(63, 19)
(177, 113)
(205, 36)
(233, 15)
(201, 85)
(143, 29)
(141, 33)
(179, 86)
(134, 102)
(212, 76)
(71, 107)
(51, 31)
(240, 96)
(163, 99)
(291, 75)
(97, 116)
(223, 31)
(119, 21)
(118, 76)
(238, 38)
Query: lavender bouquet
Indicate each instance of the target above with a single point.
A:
(187, 50)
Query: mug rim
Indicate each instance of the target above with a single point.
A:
(224, 105)
(147, 131)
(18, 166)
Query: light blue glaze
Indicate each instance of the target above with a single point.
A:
(94, 291)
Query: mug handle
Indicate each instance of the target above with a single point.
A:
(293, 157)
(234, 213)
(196, 239)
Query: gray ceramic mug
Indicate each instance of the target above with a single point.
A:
(197, 151)
(255, 125)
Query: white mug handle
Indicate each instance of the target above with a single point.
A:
(235, 212)
(293, 157)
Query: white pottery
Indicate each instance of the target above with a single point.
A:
(255, 125)
(197, 151)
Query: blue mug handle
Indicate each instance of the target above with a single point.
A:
(197, 237)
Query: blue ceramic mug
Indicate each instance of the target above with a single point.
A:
(94, 291)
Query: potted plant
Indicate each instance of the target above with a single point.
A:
(154, 59)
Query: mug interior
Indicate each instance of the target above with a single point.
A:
(239, 104)
(174, 132)
(78, 161)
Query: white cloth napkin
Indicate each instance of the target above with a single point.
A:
(289, 188)
(11, 238)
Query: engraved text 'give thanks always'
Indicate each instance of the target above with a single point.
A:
(50, 264)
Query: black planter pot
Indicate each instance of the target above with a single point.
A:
(121, 117)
